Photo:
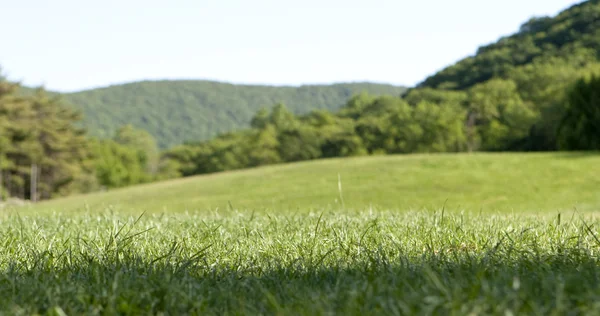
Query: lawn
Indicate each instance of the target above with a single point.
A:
(534, 182)
(501, 234)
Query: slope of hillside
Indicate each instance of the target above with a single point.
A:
(473, 182)
(178, 111)
(573, 34)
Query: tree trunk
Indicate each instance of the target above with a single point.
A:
(9, 187)
(1, 195)
(33, 185)
(24, 186)
(471, 132)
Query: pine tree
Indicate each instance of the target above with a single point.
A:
(15, 139)
(6, 91)
(62, 153)
(37, 132)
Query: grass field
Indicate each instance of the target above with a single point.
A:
(478, 234)
(487, 182)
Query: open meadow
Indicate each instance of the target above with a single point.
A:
(417, 234)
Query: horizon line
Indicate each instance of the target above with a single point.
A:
(226, 82)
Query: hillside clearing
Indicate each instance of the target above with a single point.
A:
(515, 182)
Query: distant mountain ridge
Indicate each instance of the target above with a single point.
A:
(178, 111)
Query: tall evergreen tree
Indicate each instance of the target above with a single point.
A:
(6, 98)
(62, 150)
(17, 139)
(37, 132)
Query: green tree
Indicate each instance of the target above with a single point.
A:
(572, 34)
(386, 125)
(442, 125)
(41, 132)
(143, 143)
(184, 158)
(544, 85)
(282, 118)
(117, 165)
(227, 152)
(260, 119)
(580, 127)
(263, 146)
(356, 105)
(435, 96)
(7, 91)
(337, 132)
(497, 115)
(299, 143)
(340, 140)
(61, 153)
(167, 169)
(23, 147)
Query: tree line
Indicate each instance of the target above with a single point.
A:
(497, 115)
(543, 106)
(45, 153)
(192, 110)
(549, 104)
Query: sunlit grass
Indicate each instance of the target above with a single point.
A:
(306, 263)
(488, 182)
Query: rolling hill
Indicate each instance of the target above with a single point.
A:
(545, 182)
(176, 111)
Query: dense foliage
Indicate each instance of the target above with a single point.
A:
(174, 112)
(491, 116)
(40, 143)
(573, 34)
(44, 153)
(580, 127)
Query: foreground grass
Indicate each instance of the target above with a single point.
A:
(489, 182)
(300, 263)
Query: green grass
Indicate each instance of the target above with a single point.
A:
(313, 264)
(308, 255)
(488, 182)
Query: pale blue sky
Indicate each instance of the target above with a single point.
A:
(70, 45)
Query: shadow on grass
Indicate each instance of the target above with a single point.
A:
(578, 154)
(499, 280)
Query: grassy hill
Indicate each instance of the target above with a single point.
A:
(178, 111)
(574, 34)
(504, 182)
(278, 240)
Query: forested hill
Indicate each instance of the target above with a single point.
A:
(178, 111)
(574, 34)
